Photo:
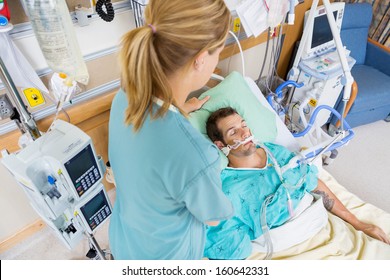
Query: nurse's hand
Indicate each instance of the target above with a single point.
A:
(212, 223)
(194, 104)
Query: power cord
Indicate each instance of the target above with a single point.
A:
(107, 15)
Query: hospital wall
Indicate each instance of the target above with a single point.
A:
(98, 37)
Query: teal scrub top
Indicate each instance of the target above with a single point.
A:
(167, 186)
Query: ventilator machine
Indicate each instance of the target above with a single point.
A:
(318, 67)
(319, 75)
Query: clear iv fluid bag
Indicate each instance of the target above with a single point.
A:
(53, 28)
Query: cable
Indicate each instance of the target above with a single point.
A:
(278, 48)
(276, 54)
(234, 49)
(241, 52)
(265, 57)
(109, 14)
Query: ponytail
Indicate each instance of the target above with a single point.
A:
(175, 33)
(142, 76)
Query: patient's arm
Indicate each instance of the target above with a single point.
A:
(335, 206)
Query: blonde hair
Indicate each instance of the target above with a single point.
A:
(176, 31)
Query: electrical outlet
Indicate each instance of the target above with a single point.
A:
(5, 111)
(6, 108)
(33, 96)
(236, 24)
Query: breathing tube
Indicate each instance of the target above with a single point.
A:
(226, 150)
(264, 227)
(336, 145)
(268, 200)
(109, 14)
(280, 171)
(263, 213)
(278, 92)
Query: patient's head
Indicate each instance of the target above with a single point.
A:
(225, 127)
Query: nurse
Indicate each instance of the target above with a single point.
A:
(167, 174)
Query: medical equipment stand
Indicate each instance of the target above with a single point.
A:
(347, 79)
(100, 254)
(26, 123)
(24, 120)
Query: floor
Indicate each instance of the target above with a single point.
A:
(363, 165)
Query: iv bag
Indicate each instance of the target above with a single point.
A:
(53, 28)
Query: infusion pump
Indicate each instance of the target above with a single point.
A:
(62, 177)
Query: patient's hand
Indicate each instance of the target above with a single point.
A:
(374, 232)
(194, 104)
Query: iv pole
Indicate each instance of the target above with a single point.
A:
(348, 79)
(25, 121)
(27, 124)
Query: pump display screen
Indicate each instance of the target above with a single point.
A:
(321, 31)
(96, 210)
(83, 170)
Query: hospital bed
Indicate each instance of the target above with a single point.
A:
(337, 240)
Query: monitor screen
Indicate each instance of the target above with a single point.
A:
(96, 211)
(319, 38)
(321, 31)
(83, 170)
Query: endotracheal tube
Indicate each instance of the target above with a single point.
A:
(226, 150)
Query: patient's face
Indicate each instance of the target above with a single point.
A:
(233, 129)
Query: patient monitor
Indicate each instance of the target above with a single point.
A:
(62, 177)
(320, 39)
(318, 65)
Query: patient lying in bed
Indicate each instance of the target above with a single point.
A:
(251, 181)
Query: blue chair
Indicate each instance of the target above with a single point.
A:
(372, 69)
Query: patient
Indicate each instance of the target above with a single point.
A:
(251, 180)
